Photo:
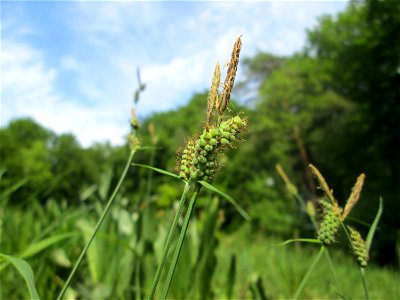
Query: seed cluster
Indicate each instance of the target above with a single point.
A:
(199, 159)
(358, 245)
(330, 222)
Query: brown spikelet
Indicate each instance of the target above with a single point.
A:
(213, 95)
(134, 121)
(152, 131)
(322, 183)
(354, 196)
(230, 77)
(289, 185)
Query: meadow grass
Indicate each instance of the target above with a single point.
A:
(122, 249)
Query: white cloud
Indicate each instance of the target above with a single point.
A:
(87, 87)
(28, 89)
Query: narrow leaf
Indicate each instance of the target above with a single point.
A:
(26, 271)
(157, 170)
(240, 210)
(41, 245)
(372, 230)
(313, 241)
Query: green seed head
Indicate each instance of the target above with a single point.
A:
(224, 141)
(330, 223)
(358, 246)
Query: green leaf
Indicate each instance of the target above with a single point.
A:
(26, 271)
(41, 245)
(157, 170)
(372, 230)
(240, 210)
(313, 241)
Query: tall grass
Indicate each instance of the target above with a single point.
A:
(113, 248)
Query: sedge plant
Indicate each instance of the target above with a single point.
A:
(134, 146)
(199, 161)
(332, 220)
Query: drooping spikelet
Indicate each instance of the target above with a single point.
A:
(230, 77)
(330, 222)
(358, 246)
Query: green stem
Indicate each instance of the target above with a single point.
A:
(328, 257)
(180, 242)
(362, 270)
(104, 213)
(168, 242)
(150, 176)
(305, 279)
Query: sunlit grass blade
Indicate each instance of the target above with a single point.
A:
(240, 210)
(41, 245)
(374, 225)
(306, 277)
(26, 271)
(180, 243)
(313, 241)
(157, 170)
(100, 221)
(168, 242)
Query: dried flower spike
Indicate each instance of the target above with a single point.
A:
(230, 77)
(322, 183)
(289, 185)
(213, 95)
(354, 196)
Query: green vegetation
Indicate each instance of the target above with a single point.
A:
(334, 104)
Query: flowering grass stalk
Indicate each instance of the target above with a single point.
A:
(180, 242)
(100, 221)
(333, 218)
(198, 162)
(168, 241)
(134, 145)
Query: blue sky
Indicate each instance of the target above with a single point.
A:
(71, 65)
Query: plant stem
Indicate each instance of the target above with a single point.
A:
(104, 213)
(362, 270)
(168, 242)
(305, 279)
(180, 242)
(328, 257)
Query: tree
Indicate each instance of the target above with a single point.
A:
(360, 48)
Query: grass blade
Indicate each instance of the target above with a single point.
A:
(26, 271)
(180, 243)
(240, 210)
(305, 279)
(100, 221)
(41, 245)
(230, 282)
(168, 242)
(157, 170)
(313, 241)
(372, 230)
